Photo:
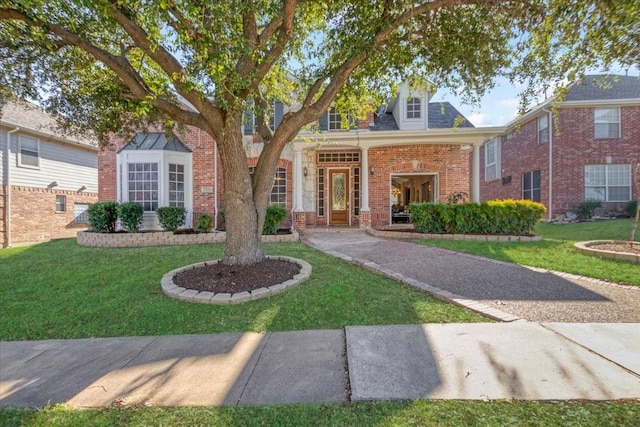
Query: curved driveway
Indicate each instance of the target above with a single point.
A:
(526, 293)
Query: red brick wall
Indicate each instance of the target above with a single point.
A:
(448, 161)
(519, 155)
(34, 217)
(574, 146)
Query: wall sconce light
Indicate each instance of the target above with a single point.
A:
(372, 169)
(84, 187)
(305, 171)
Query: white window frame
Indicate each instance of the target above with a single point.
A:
(177, 194)
(271, 114)
(532, 188)
(278, 193)
(604, 111)
(492, 165)
(413, 108)
(606, 185)
(334, 119)
(21, 140)
(163, 158)
(61, 207)
(153, 201)
(543, 132)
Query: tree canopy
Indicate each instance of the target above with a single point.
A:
(118, 66)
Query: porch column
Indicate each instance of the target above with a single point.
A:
(475, 174)
(364, 196)
(365, 211)
(298, 220)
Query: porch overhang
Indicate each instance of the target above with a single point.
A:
(369, 139)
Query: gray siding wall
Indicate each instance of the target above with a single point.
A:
(70, 166)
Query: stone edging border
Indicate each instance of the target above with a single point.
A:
(468, 237)
(176, 292)
(587, 248)
(165, 238)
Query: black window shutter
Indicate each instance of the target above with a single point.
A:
(324, 121)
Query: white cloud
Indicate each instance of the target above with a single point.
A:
(483, 119)
(508, 103)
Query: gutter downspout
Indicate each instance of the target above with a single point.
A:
(215, 184)
(7, 208)
(550, 207)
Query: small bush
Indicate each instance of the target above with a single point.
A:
(493, 217)
(205, 223)
(171, 217)
(275, 214)
(631, 208)
(585, 209)
(103, 216)
(130, 215)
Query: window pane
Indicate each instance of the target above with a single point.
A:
(619, 194)
(145, 184)
(536, 179)
(595, 193)
(526, 182)
(29, 158)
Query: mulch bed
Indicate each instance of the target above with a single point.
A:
(220, 278)
(617, 247)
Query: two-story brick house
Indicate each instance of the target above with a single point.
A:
(411, 150)
(48, 180)
(563, 153)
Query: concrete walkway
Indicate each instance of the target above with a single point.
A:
(542, 360)
(519, 360)
(501, 290)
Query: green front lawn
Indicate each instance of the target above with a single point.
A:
(380, 414)
(62, 290)
(555, 251)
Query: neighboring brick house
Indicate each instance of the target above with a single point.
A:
(587, 148)
(48, 180)
(356, 177)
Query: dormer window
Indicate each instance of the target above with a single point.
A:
(413, 108)
(335, 119)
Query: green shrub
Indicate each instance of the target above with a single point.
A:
(103, 216)
(493, 217)
(631, 208)
(275, 214)
(171, 217)
(585, 209)
(205, 223)
(130, 216)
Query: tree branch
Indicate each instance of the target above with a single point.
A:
(119, 65)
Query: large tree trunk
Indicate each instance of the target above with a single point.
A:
(244, 240)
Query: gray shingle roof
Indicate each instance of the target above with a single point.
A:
(156, 141)
(442, 115)
(600, 87)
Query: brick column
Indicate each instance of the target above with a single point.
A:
(299, 221)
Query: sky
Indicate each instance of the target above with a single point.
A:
(499, 106)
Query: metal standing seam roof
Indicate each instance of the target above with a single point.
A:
(156, 141)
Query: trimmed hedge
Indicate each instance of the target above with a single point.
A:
(516, 217)
(171, 217)
(103, 216)
(275, 214)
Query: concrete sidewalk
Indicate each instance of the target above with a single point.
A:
(518, 360)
